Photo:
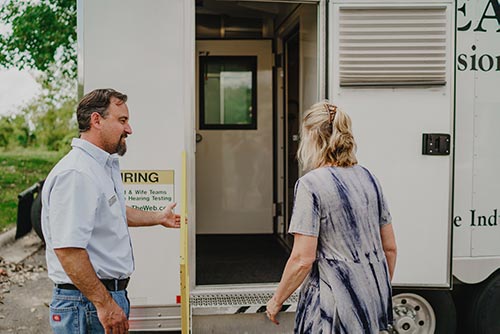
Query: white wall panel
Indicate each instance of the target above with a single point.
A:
(145, 50)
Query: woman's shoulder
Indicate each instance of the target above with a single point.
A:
(313, 178)
(315, 174)
(329, 171)
(322, 175)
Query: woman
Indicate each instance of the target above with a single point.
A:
(343, 238)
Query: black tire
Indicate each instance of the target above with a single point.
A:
(485, 307)
(36, 216)
(443, 307)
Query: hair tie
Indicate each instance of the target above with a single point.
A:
(331, 110)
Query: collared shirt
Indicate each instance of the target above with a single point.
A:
(83, 206)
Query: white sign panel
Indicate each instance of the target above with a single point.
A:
(148, 190)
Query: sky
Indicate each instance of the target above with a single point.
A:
(16, 89)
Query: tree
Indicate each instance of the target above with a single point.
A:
(15, 132)
(40, 35)
(53, 124)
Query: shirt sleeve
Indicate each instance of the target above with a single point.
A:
(72, 208)
(306, 214)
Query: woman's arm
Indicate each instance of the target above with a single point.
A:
(389, 246)
(297, 267)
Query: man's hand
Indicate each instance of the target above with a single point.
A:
(166, 217)
(169, 218)
(112, 318)
(77, 265)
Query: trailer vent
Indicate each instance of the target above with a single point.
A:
(392, 46)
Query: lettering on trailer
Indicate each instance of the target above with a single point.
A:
(472, 61)
(478, 220)
(148, 190)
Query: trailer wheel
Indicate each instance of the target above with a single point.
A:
(485, 308)
(36, 216)
(424, 312)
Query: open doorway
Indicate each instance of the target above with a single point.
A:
(248, 109)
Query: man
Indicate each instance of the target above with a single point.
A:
(85, 222)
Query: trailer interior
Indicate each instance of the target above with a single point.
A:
(257, 71)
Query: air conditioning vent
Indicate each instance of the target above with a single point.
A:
(392, 46)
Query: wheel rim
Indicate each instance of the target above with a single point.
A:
(413, 314)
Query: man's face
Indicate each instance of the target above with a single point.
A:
(116, 128)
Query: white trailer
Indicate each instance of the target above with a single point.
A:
(227, 81)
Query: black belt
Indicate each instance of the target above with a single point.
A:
(110, 284)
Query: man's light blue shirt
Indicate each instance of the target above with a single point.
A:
(83, 206)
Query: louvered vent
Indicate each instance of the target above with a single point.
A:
(392, 46)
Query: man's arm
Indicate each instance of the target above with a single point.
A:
(166, 217)
(76, 264)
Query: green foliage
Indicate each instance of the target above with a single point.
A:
(20, 169)
(15, 132)
(42, 36)
(6, 131)
(55, 126)
(47, 122)
(237, 102)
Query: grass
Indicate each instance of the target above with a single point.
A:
(19, 170)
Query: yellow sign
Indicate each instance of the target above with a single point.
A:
(148, 190)
(147, 176)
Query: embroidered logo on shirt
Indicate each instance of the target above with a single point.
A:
(56, 317)
(112, 200)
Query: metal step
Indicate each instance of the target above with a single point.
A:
(212, 303)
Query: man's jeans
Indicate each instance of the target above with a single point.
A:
(72, 313)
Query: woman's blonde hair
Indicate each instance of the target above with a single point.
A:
(326, 138)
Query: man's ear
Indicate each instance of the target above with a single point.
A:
(95, 120)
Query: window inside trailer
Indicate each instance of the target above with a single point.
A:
(228, 92)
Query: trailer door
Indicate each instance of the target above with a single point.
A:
(234, 176)
(391, 68)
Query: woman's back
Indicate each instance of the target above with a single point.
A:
(351, 210)
(344, 250)
(344, 207)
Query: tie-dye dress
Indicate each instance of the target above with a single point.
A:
(348, 290)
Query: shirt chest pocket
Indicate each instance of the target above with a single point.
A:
(112, 206)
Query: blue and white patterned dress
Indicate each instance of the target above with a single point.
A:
(348, 289)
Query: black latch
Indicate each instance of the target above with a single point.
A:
(436, 144)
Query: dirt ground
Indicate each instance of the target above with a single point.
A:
(25, 289)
